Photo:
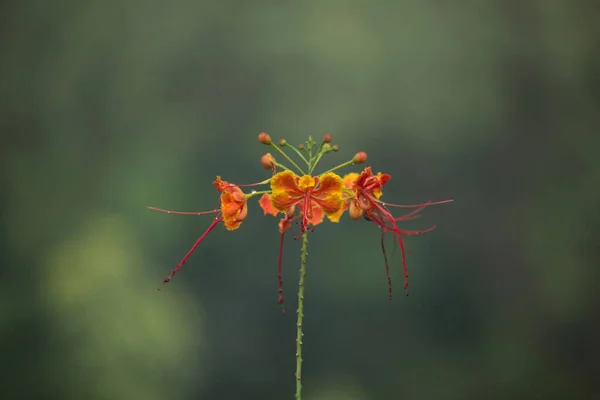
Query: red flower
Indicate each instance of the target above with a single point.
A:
(368, 188)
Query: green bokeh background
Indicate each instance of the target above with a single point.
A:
(109, 106)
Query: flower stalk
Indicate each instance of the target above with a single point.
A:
(299, 333)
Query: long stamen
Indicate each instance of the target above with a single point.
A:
(182, 212)
(396, 230)
(429, 203)
(189, 253)
(305, 216)
(387, 266)
(254, 184)
(411, 215)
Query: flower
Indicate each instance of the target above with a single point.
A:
(324, 193)
(232, 212)
(234, 208)
(368, 189)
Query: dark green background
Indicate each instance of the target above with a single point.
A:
(109, 106)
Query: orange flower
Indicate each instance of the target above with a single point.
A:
(233, 212)
(347, 195)
(234, 208)
(324, 193)
(368, 189)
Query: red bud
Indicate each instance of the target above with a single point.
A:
(360, 158)
(264, 138)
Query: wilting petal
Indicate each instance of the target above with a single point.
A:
(221, 185)
(284, 224)
(229, 206)
(265, 204)
(234, 220)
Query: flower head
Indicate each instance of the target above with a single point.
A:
(308, 192)
(234, 207)
(368, 189)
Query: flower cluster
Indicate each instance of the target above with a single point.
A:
(302, 196)
(306, 198)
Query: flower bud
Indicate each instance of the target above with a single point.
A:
(282, 142)
(327, 147)
(267, 161)
(354, 211)
(360, 158)
(301, 146)
(327, 138)
(335, 147)
(264, 138)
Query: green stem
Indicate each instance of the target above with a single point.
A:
(273, 145)
(249, 196)
(347, 163)
(299, 333)
(297, 152)
(281, 166)
(315, 162)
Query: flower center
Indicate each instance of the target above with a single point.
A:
(306, 183)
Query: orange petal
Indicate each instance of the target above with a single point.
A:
(329, 183)
(282, 200)
(285, 181)
(284, 224)
(335, 217)
(220, 184)
(349, 179)
(229, 206)
(330, 204)
(265, 204)
(383, 178)
(232, 222)
(317, 216)
(354, 211)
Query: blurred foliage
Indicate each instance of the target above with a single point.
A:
(111, 106)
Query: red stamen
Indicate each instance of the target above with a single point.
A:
(389, 217)
(252, 184)
(189, 253)
(182, 212)
(387, 267)
(305, 216)
(427, 204)
(411, 215)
